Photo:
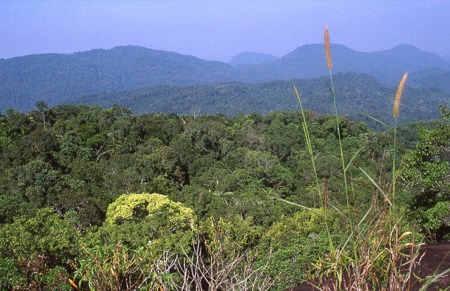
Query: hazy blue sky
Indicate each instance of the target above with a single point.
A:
(217, 30)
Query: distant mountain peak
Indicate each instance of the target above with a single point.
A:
(315, 49)
(405, 47)
(415, 57)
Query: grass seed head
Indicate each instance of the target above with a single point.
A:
(398, 95)
(327, 48)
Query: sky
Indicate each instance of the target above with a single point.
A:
(218, 30)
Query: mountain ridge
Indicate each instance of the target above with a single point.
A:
(388, 66)
(49, 77)
(56, 78)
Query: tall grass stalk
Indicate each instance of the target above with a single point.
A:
(398, 97)
(313, 163)
(338, 128)
(309, 144)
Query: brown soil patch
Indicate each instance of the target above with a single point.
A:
(435, 260)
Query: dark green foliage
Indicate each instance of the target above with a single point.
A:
(358, 94)
(295, 243)
(35, 251)
(426, 172)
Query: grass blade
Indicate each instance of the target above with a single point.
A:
(376, 185)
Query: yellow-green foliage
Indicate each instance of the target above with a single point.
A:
(303, 224)
(145, 206)
(295, 242)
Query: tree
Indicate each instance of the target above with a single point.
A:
(283, 135)
(37, 250)
(38, 182)
(151, 207)
(296, 241)
(140, 235)
(426, 172)
(136, 220)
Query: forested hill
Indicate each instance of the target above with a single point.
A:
(58, 78)
(356, 93)
(55, 77)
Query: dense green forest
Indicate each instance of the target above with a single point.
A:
(234, 203)
(359, 95)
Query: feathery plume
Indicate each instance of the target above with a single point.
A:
(327, 48)
(398, 95)
(73, 284)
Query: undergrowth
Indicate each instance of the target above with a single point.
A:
(381, 249)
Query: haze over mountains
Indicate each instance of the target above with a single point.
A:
(248, 58)
(124, 71)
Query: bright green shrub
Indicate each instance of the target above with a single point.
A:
(150, 207)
